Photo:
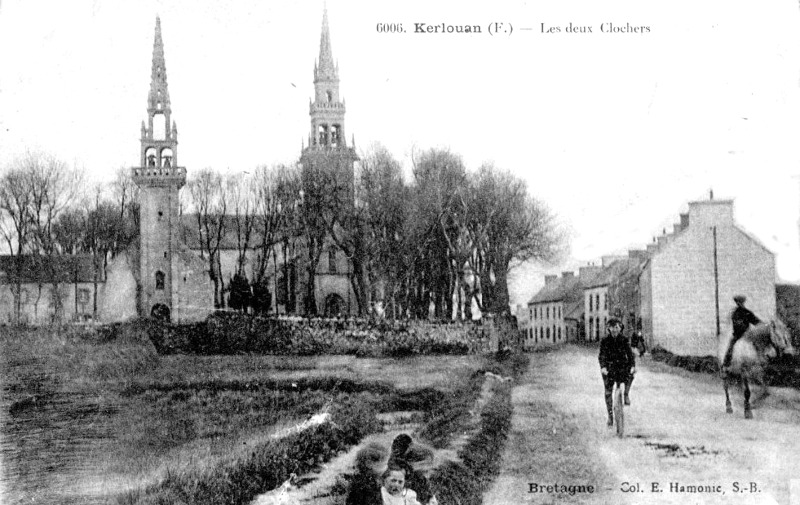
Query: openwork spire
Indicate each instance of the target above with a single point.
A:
(158, 99)
(326, 69)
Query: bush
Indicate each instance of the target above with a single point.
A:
(235, 333)
(270, 464)
(466, 482)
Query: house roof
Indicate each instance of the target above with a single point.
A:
(34, 268)
(560, 289)
(614, 271)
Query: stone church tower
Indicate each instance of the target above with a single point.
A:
(159, 178)
(327, 177)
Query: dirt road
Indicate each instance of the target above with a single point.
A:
(680, 446)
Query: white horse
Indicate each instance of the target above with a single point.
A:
(750, 355)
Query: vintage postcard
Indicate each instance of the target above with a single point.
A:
(399, 252)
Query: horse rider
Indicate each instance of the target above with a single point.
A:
(617, 363)
(741, 318)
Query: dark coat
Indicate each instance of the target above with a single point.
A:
(364, 490)
(617, 357)
(742, 318)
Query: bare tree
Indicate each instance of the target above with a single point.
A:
(509, 227)
(15, 224)
(242, 195)
(210, 201)
(276, 198)
(38, 189)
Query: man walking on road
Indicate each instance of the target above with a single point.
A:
(617, 363)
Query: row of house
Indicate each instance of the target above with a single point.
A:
(678, 291)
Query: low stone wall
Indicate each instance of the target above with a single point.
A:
(233, 333)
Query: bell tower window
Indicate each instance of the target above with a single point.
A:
(329, 95)
(150, 157)
(160, 280)
(166, 157)
(335, 135)
(322, 133)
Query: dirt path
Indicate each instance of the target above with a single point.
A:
(677, 432)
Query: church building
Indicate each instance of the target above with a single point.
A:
(163, 275)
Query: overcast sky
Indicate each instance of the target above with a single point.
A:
(615, 132)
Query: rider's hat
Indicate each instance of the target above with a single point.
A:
(739, 298)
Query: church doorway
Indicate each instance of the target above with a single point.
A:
(160, 312)
(334, 305)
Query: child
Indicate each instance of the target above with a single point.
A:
(393, 491)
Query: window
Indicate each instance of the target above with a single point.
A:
(332, 261)
(559, 333)
(591, 327)
(322, 135)
(597, 301)
(559, 312)
(159, 280)
(548, 334)
(605, 301)
(548, 312)
(83, 296)
(590, 303)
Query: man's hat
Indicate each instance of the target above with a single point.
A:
(739, 298)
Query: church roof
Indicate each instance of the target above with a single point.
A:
(190, 234)
(34, 268)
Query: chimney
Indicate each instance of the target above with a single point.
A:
(567, 275)
(652, 248)
(684, 221)
(587, 271)
(676, 228)
(549, 279)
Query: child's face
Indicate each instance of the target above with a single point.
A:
(395, 482)
(615, 329)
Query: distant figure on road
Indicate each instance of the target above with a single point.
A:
(741, 318)
(617, 363)
(637, 342)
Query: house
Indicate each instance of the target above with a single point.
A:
(551, 312)
(688, 283)
(48, 288)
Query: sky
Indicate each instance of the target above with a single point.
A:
(614, 132)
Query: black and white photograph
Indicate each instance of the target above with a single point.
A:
(344, 252)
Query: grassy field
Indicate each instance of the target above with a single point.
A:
(90, 422)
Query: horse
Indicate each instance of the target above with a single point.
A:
(750, 355)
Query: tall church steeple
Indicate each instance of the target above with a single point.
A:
(160, 134)
(327, 110)
(159, 178)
